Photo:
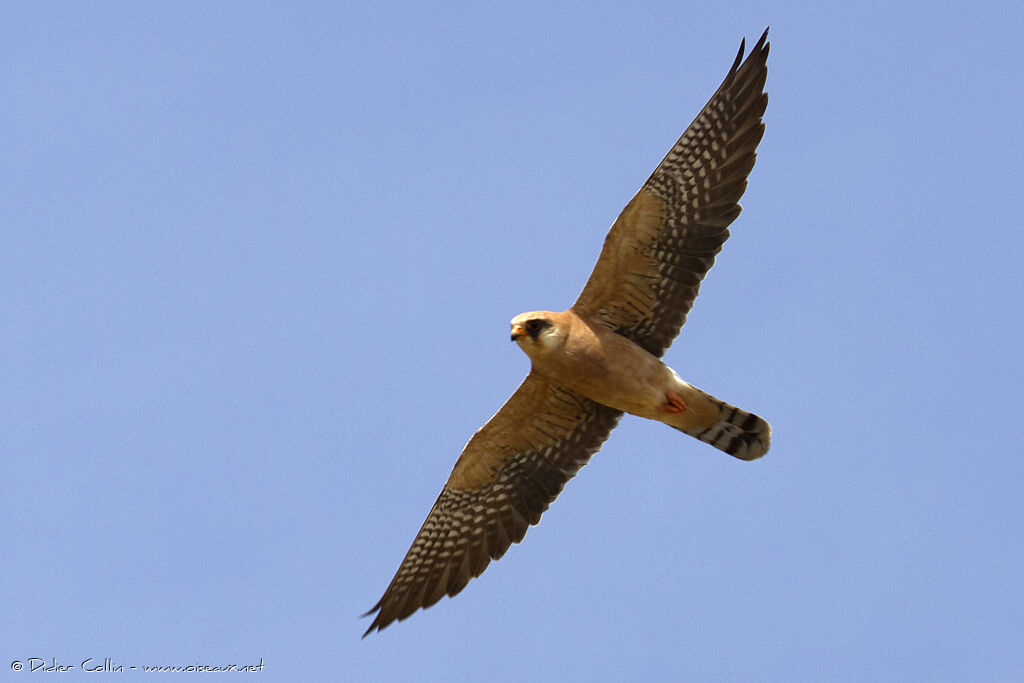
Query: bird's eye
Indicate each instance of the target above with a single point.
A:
(532, 325)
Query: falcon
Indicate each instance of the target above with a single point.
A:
(601, 357)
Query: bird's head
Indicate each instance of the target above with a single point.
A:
(538, 332)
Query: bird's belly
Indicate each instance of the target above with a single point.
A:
(635, 382)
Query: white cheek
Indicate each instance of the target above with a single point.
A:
(545, 343)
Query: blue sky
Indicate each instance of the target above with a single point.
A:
(257, 264)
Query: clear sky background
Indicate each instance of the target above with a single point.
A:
(257, 264)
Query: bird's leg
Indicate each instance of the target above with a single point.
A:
(674, 403)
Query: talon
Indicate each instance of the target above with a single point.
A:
(674, 403)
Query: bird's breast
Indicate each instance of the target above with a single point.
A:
(610, 369)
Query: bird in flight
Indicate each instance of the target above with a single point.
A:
(601, 357)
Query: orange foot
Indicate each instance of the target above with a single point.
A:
(674, 403)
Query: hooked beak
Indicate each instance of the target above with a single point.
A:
(517, 332)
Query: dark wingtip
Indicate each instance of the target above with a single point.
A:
(739, 55)
(376, 625)
(761, 46)
(762, 42)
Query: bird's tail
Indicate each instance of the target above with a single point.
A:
(741, 434)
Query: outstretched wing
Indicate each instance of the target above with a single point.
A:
(506, 477)
(665, 240)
